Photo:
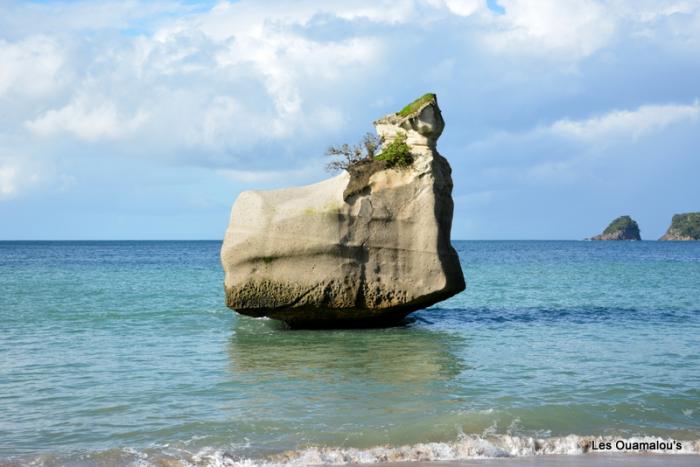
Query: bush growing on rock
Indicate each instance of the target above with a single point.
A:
(349, 156)
(397, 153)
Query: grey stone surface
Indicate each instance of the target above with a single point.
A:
(363, 248)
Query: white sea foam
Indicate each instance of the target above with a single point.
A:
(467, 447)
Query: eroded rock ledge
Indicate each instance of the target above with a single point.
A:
(364, 248)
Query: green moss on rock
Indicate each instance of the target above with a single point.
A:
(417, 104)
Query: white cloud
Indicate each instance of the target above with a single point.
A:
(167, 86)
(87, 120)
(645, 11)
(216, 122)
(459, 7)
(30, 66)
(286, 62)
(464, 7)
(8, 181)
(627, 123)
(329, 118)
(213, 86)
(570, 29)
(16, 175)
(250, 19)
(257, 71)
(568, 151)
(221, 80)
(85, 15)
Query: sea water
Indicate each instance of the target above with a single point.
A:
(123, 353)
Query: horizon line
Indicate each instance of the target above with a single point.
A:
(221, 240)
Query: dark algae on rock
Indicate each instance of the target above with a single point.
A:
(622, 228)
(684, 226)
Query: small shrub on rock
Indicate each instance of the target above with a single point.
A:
(348, 156)
(397, 153)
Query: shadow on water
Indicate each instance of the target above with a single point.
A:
(398, 354)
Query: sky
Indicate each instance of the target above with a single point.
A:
(145, 119)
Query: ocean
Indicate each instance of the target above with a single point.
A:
(123, 353)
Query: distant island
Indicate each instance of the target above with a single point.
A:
(622, 228)
(684, 226)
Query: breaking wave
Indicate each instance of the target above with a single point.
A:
(464, 448)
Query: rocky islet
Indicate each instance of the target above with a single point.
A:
(363, 248)
(622, 228)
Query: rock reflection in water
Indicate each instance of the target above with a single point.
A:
(400, 354)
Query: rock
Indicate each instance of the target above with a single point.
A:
(622, 228)
(364, 248)
(684, 227)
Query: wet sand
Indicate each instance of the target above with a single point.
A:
(585, 460)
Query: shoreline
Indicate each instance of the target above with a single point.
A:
(555, 460)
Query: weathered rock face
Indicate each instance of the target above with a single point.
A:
(364, 248)
(622, 228)
(684, 227)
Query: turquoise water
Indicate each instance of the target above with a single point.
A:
(123, 353)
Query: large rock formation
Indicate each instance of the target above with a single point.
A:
(622, 228)
(364, 248)
(684, 227)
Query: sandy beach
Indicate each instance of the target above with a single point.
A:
(593, 460)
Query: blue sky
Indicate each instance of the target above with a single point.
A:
(144, 120)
